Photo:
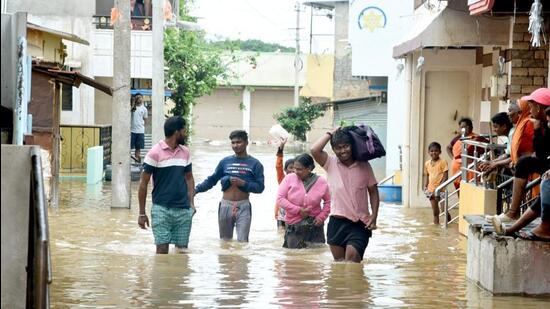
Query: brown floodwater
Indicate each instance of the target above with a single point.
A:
(101, 259)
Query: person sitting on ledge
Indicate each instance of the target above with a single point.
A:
(537, 163)
(541, 207)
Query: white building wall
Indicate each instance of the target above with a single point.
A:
(372, 56)
(142, 53)
(271, 69)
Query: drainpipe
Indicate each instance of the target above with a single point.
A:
(407, 147)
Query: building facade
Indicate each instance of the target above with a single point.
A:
(461, 65)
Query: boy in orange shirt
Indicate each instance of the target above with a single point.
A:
(436, 172)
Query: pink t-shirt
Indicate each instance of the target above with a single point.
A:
(349, 188)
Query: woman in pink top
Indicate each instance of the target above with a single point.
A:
(300, 195)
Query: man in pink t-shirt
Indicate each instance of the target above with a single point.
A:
(352, 184)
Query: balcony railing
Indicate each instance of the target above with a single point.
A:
(142, 23)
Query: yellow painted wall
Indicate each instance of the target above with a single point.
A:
(319, 77)
(74, 147)
(43, 45)
(475, 201)
(398, 179)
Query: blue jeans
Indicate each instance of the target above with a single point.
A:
(545, 200)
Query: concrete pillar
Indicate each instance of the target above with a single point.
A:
(20, 109)
(408, 75)
(157, 116)
(121, 108)
(246, 110)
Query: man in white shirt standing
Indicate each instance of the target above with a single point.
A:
(139, 114)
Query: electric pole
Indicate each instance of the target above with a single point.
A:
(297, 60)
(120, 142)
(157, 116)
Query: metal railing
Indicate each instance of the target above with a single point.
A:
(39, 266)
(445, 201)
(476, 158)
(470, 162)
(504, 195)
(144, 23)
(388, 178)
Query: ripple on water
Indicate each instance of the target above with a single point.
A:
(101, 259)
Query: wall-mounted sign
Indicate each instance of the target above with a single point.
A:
(375, 26)
(372, 18)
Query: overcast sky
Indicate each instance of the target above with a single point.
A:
(266, 20)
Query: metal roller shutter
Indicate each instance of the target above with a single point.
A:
(373, 113)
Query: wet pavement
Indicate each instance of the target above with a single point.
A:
(101, 259)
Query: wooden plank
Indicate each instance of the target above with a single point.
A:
(66, 147)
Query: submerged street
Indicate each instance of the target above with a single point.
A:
(102, 259)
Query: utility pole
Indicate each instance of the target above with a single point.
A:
(310, 29)
(297, 60)
(157, 116)
(120, 158)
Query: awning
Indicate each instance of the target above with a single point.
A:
(480, 6)
(71, 78)
(61, 34)
(454, 28)
(149, 92)
(322, 4)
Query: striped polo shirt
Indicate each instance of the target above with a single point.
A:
(168, 167)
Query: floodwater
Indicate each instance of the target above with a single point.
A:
(101, 259)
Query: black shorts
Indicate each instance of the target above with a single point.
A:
(137, 141)
(342, 232)
(529, 165)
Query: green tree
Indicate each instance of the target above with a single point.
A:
(251, 45)
(298, 120)
(195, 68)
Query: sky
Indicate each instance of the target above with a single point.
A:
(267, 20)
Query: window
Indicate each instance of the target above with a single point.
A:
(66, 97)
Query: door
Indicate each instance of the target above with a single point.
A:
(447, 100)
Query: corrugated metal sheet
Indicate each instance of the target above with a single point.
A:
(372, 113)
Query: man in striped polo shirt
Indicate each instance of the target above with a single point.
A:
(169, 162)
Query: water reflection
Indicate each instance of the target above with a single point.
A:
(101, 259)
(300, 283)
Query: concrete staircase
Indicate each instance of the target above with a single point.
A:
(136, 167)
(147, 146)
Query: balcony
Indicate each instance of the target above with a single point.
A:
(140, 23)
(141, 53)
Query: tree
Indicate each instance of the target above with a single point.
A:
(298, 120)
(251, 45)
(194, 68)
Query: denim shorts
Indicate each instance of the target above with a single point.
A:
(137, 140)
(171, 225)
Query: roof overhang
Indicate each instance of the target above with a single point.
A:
(71, 78)
(323, 4)
(64, 35)
(454, 28)
(480, 6)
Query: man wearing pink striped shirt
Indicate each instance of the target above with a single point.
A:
(352, 184)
